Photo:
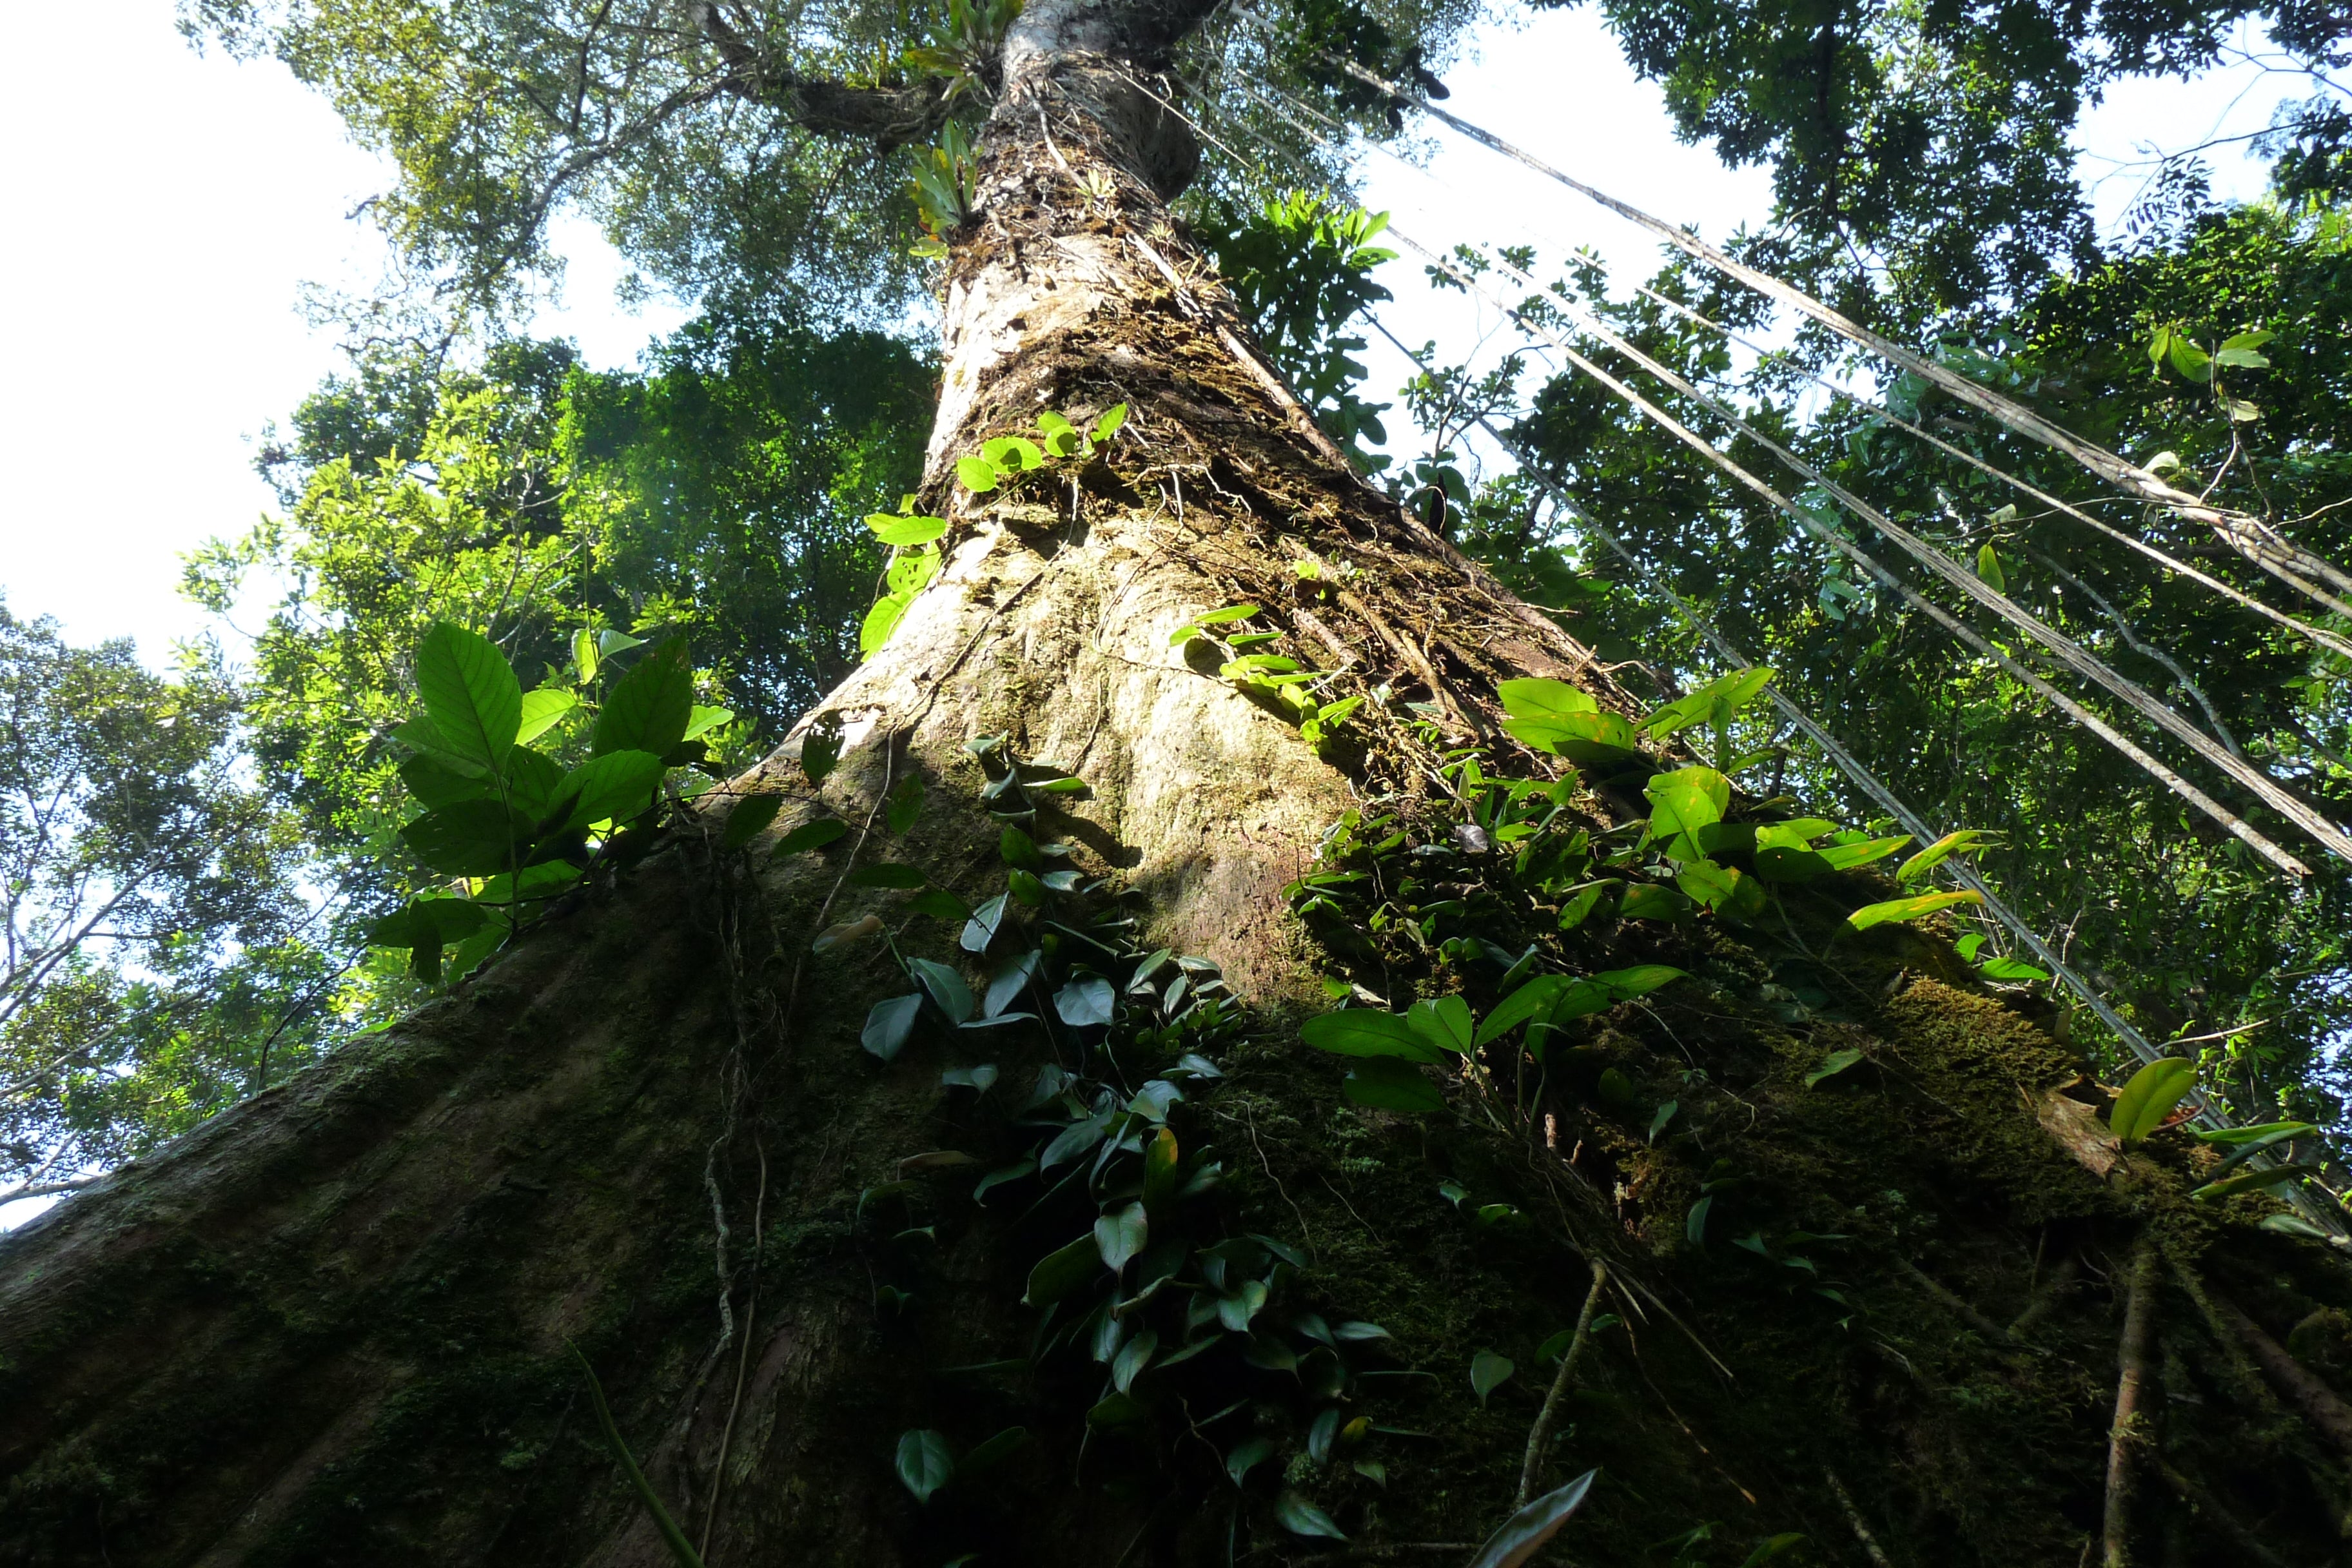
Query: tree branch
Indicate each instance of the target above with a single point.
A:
(891, 116)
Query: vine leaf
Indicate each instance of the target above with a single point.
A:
(1490, 1372)
(1525, 1532)
(1297, 1515)
(925, 1463)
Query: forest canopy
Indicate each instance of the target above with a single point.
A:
(770, 163)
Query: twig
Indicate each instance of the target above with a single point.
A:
(1855, 1522)
(1540, 1432)
(2130, 1431)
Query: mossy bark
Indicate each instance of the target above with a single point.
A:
(333, 1325)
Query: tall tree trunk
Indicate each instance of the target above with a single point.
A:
(333, 1325)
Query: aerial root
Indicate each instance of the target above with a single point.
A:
(1540, 1432)
(2129, 1434)
(1855, 1522)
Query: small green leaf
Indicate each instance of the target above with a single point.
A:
(1132, 1359)
(1909, 909)
(1120, 1237)
(889, 1023)
(1367, 1032)
(700, 719)
(1695, 1223)
(978, 475)
(1246, 1456)
(1833, 1064)
(946, 986)
(1231, 613)
(1988, 568)
(809, 836)
(1085, 1003)
(905, 533)
(1297, 1515)
(1009, 981)
(926, 1463)
(2148, 1098)
(1161, 1168)
(1967, 840)
(1442, 1021)
(982, 929)
(1490, 1372)
(1112, 418)
(1011, 453)
(1019, 850)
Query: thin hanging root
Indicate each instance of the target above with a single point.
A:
(2244, 1374)
(2053, 1291)
(2205, 1506)
(2130, 1429)
(1959, 1308)
(2318, 1403)
(1540, 1432)
(1855, 1521)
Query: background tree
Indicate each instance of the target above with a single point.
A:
(163, 957)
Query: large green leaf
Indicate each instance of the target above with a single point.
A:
(889, 1023)
(1525, 1532)
(423, 921)
(1686, 800)
(2149, 1098)
(905, 531)
(436, 784)
(533, 781)
(1367, 1032)
(470, 837)
(1532, 1000)
(1540, 698)
(649, 709)
(1846, 857)
(1064, 1272)
(1384, 1083)
(470, 692)
(1909, 909)
(617, 786)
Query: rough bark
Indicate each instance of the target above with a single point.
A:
(331, 1325)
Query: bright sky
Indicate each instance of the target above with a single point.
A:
(162, 241)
